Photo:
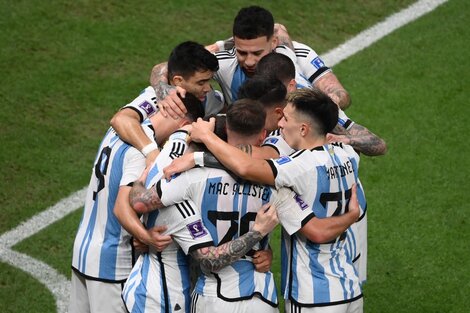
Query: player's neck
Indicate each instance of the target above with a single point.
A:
(313, 142)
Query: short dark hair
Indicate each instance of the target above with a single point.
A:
(190, 57)
(269, 91)
(246, 117)
(253, 22)
(276, 65)
(317, 106)
(194, 106)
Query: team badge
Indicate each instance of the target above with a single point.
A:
(147, 107)
(283, 160)
(196, 229)
(318, 63)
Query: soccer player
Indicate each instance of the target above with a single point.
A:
(191, 67)
(315, 277)
(229, 205)
(103, 251)
(253, 34)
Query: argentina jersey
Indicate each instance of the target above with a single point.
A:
(300, 79)
(277, 142)
(102, 248)
(160, 281)
(145, 104)
(311, 65)
(228, 208)
(230, 75)
(319, 274)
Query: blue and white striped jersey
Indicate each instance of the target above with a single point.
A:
(231, 76)
(228, 208)
(146, 103)
(277, 142)
(309, 62)
(159, 281)
(102, 248)
(319, 274)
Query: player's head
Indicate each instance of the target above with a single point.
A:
(191, 67)
(245, 122)
(270, 92)
(309, 115)
(280, 66)
(253, 30)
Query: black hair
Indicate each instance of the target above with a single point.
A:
(269, 91)
(253, 22)
(246, 117)
(276, 65)
(193, 105)
(316, 105)
(190, 57)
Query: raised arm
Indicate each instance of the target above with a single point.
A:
(360, 138)
(212, 259)
(126, 123)
(169, 103)
(231, 157)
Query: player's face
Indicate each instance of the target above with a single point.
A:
(290, 127)
(250, 51)
(198, 84)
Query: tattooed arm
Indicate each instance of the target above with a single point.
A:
(168, 103)
(144, 200)
(329, 84)
(360, 138)
(213, 259)
(283, 36)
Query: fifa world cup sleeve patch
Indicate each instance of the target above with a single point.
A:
(318, 63)
(300, 202)
(283, 160)
(271, 141)
(196, 229)
(147, 107)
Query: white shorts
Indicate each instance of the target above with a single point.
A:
(206, 304)
(356, 306)
(92, 296)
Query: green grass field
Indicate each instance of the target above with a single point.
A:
(68, 66)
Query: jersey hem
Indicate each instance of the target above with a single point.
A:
(104, 280)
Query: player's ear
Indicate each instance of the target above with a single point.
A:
(274, 42)
(177, 80)
(292, 86)
(279, 113)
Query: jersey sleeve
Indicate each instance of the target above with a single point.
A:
(134, 165)
(145, 104)
(292, 211)
(174, 148)
(310, 63)
(344, 120)
(185, 225)
(277, 142)
(179, 188)
(214, 103)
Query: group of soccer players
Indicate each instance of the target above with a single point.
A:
(274, 146)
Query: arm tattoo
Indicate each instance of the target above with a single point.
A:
(213, 259)
(140, 195)
(162, 90)
(248, 149)
(339, 130)
(364, 141)
(330, 85)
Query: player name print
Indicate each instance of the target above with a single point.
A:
(246, 189)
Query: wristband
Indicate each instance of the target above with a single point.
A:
(199, 158)
(149, 148)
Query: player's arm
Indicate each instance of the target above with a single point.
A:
(130, 221)
(127, 125)
(220, 45)
(330, 84)
(144, 200)
(231, 157)
(360, 138)
(283, 36)
(213, 259)
(169, 103)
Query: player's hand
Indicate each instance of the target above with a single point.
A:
(179, 165)
(262, 259)
(139, 245)
(354, 207)
(337, 138)
(157, 239)
(172, 105)
(201, 129)
(213, 48)
(266, 219)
